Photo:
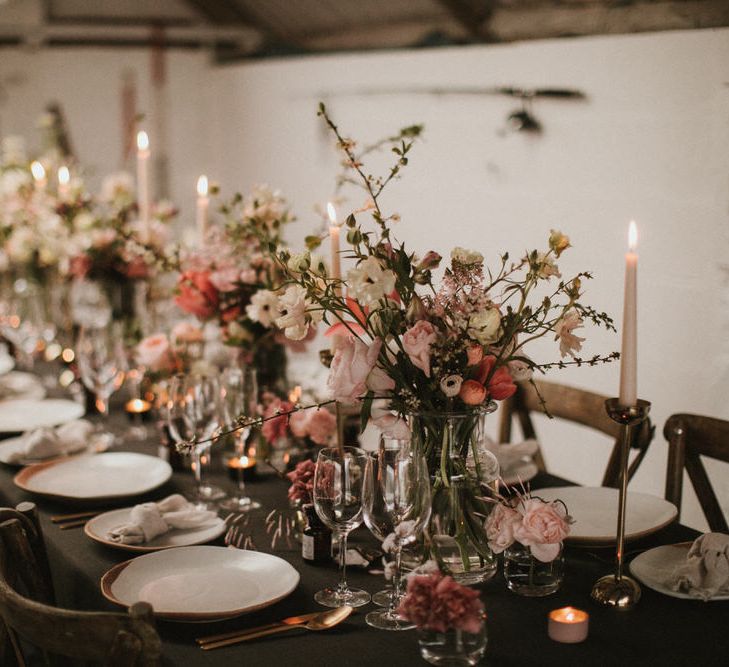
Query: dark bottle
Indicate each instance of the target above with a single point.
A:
(316, 542)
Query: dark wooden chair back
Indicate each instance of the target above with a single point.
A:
(65, 637)
(689, 438)
(574, 405)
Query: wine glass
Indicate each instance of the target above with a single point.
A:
(338, 481)
(101, 363)
(396, 506)
(239, 397)
(25, 322)
(193, 415)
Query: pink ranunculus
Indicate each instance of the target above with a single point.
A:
(472, 392)
(274, 427)
(322, 426)
(353, 361)
(416, 342)
(154, 353)
(79, 266)
(137, 268)
(224, 280)
(475, 354)
(299, 423)
(185, 332)
(500, 527)
(197, 294)
(542, 528)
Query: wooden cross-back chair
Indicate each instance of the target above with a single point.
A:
(689, 438)
(64, 637)
(573, 405)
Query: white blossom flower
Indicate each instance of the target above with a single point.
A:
(451, 385)
(292, 306)
(547, 267)
(13, 180)
(466, 257)
(265, 205)
(299, 262)
(485, 326)
(263, 307)
(118, 188)
(568, 342)
(368, 282)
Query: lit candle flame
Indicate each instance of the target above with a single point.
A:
(332, 213)
(632, 236)
(142, 141)
(36, 168)
(64, 176)
(202, 186)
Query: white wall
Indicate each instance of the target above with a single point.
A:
(651, 143)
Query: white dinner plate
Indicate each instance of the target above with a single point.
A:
(654, 567)
(595, 511)
(10, 446)
(6, 364)
(522, 472)
(108, 477)
(98, 529)
(18, 415)
(18, 385)
(201, 583)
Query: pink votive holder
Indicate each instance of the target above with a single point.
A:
(568, 625)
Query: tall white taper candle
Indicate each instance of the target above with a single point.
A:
(629, 353)
(143, 153)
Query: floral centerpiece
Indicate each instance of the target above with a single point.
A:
(432, 358)
(232, 281)
(530, 532)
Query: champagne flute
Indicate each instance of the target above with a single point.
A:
(239, 397)
(101, 364)
(193, 415)
(338, 480)
(396, 504)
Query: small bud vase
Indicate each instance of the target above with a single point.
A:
(452, 648)
(528, 576)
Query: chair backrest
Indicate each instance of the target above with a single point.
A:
(107, 638)
(573, 405)
(690, 437)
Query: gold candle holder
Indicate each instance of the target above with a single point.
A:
(618, 590)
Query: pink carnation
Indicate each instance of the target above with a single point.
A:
(276, 428)
(439, 603)
(416, 342)
(302, 482)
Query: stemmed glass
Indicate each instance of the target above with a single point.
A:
(101, 363)
(193, 415)
(239, 397)
(24, 324)
(338, 481)
(396, 510)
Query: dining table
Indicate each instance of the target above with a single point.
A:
(659, 630)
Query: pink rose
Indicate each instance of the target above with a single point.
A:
(475, 354)
(416, 342)
(500, 527)
(197, 294)
(353, 361)
(322, 426)
(184, 332)
(277, 427)
(154, 353)
(299, 423)
(379, 381)
(224, 280)
(542, 528)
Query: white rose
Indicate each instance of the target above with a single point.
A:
(485, 326)
(368, 282)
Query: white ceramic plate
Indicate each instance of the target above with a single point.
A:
(108, 476)
(6, 364)
(595, 511)
(10, 446)
(655, 566)
(201, 583)
(18, 415)
(98, 529)
(17, 385)
(520, 473)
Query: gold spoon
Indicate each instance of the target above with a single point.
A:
(323, 621)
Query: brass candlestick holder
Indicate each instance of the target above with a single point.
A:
(617, 590)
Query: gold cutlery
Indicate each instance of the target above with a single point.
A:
(322, 621)
(63, 518)
(73, 524)
(292, 620)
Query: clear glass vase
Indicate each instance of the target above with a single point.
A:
(454, 647)
(528, 576)
(455, 537)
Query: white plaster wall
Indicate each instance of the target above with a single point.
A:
(651, 143)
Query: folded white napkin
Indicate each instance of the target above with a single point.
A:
(509, 455)
(706, 570)
(149, 520)
(45, 443)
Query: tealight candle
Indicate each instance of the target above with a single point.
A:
(568, 625)
(246, 465)
(137, 406)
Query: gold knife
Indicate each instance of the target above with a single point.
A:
(292, 620)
